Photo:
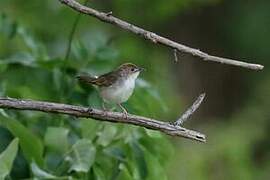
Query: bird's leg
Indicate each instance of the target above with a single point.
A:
(103, 106)
(124, 110)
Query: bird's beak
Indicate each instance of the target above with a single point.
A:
(140, 69)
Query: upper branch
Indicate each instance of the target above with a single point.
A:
(107, 17)
(115, 117)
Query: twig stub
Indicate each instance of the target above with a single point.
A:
(109, 13)
(175, 55)
(190, 110)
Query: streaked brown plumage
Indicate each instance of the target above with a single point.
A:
(116, 86)
(110, 78)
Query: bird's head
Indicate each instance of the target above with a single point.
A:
(129, 70)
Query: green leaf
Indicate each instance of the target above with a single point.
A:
(31, 145)
(53, 136)
(124, 173)
(115, 152)
(156, 169)
(89, 128)
(41, 174)
(8, 27)
(153, 134)
(81, 156)
(140, 170)
(80, 51)
(22, 58)
(7, 157)
(163, 152)
(107, 135)
(37, 48)
(3, 113)
(99, 173)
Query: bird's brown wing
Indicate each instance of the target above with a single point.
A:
(103, 80)
(106, 79)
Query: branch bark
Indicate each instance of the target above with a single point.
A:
(109, 18)
(115, 117)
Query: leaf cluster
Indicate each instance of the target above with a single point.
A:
(63, 147)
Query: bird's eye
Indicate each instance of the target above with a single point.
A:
(132, 69)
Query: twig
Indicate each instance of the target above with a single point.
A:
(72, 32)
(175, 55)
(68, 50)
(190, 110)
(96, 114)
(154, 37)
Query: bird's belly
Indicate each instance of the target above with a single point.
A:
(117, 94)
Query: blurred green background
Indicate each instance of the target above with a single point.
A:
(35, 64)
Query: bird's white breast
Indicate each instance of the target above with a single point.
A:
(120, 91)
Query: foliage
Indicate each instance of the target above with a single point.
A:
(62, 147)
(7, 157)
(33, 42)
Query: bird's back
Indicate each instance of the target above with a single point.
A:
(104, 80)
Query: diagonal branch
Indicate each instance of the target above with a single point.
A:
(115, 117)
(190, 110)
(109, 18)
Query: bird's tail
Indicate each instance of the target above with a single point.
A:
(86, 79)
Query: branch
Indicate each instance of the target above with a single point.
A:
(190, 110)
(109, 18)
(115, 117)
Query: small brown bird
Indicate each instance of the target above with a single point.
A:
(116, 86)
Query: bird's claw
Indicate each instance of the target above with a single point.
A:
(125, 113)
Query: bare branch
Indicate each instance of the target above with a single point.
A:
(156, 38)
(96, 114)
(190, 110)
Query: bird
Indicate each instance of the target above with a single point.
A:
(116, 86)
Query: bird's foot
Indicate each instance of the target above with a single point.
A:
(89, 109)
(125, 113)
